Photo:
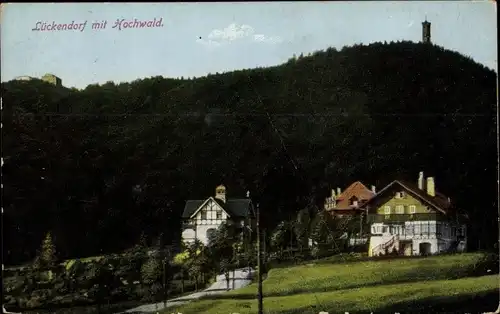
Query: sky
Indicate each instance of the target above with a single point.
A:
(194, 39)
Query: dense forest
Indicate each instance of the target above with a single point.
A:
(100, 166)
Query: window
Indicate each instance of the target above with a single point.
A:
(387, 210)
(425, 228)
(432, 228)
(353, 201)
(400, 209)
(409, 229)
(417, 229)
(413, 209)
(203, 214)
(219, 214)
(396, 229)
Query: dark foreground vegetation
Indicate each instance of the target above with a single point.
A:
(100, 284)
(106, 283)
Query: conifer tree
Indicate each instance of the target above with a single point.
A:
(47, 255)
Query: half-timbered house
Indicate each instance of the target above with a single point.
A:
(201, 218)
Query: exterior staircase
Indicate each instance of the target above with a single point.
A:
(388, 246)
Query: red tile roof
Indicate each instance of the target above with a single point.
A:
(358, 190)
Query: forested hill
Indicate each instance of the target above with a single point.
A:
(101, 165)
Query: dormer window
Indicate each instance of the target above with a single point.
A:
(203, 214)
(219, 214)
(353, 201)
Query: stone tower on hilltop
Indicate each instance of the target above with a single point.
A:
(426, 32)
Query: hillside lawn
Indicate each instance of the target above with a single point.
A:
(410, 285)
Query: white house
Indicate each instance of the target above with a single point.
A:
(413, 219)
(203, 217)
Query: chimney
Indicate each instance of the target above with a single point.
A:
(338, 191)
(333, 194)
(373, 189)
(421, 180)
(220, 193)
(431, 189)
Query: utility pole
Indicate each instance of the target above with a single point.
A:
(360, 237)
(165, 288)
(164, 283)
(259, 265)
(249, 249)
(234, 264)
(248, 236)
(264, 251)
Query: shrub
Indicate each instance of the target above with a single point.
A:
(151, 276)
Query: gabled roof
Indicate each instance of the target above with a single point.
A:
(440, 202)
(203, 204)
(191, 206)
(234, 207)
(357, 190)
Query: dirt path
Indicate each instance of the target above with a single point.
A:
(242, 278)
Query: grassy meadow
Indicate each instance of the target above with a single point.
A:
(410, 285)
